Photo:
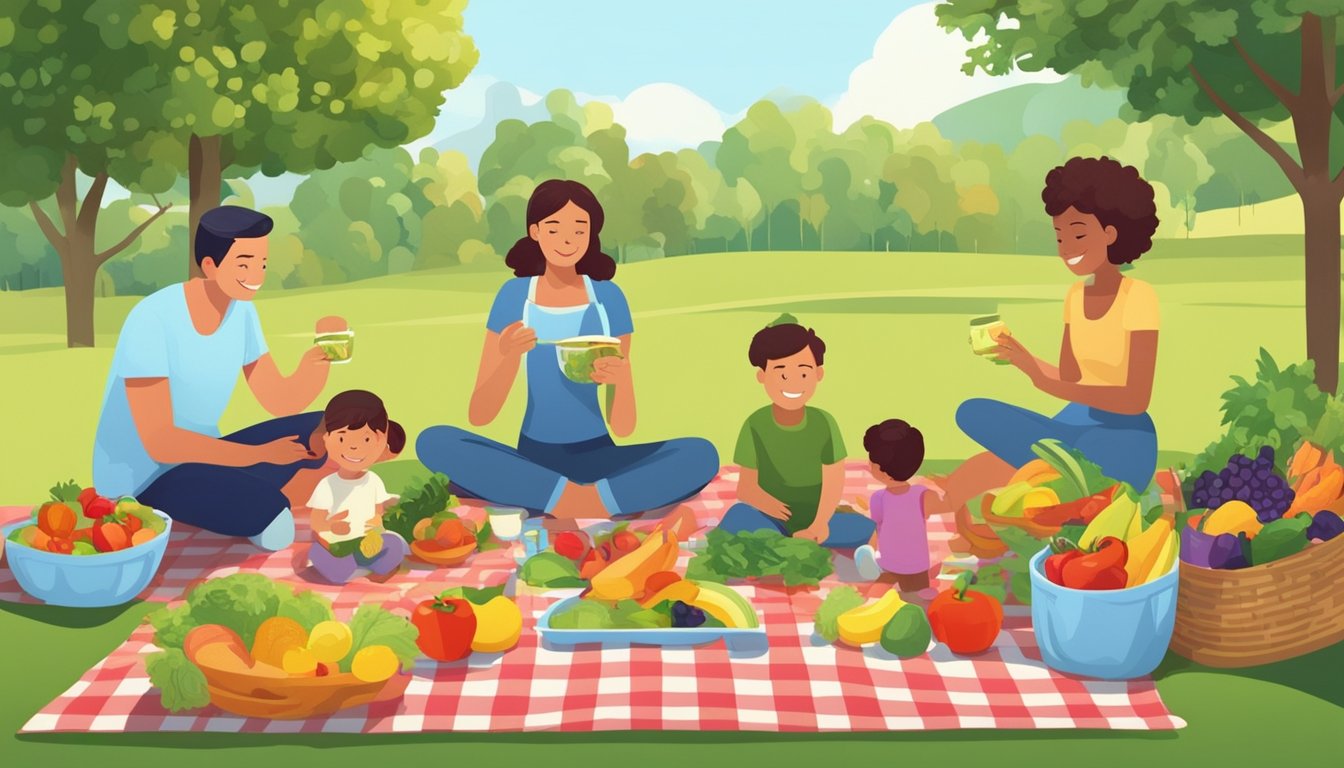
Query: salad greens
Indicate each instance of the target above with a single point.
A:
(240, 602)
(429, 499)
(181, 684)
(760, 554)
(374, 625)
(550, 571)
(838, 601)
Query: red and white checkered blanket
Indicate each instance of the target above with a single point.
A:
(800, 684)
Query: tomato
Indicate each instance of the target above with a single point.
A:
(87, 495)
(1098, 570)
(110, 537)
(60, 546)
(447, 626)
(99, 507)
(56, 520)
(966, 622)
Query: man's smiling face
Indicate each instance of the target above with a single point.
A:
(791, 381)
(355, 450)
(242, 271)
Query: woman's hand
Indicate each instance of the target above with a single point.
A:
(517, 340)
(611, 370)
(1012, 350)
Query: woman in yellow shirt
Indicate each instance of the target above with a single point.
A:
(1104, 216)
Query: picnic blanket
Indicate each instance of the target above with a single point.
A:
(800, 684)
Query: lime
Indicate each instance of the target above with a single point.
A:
(374, 664)
(330, 641)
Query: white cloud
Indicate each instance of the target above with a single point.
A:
(915, 73)
(662, 116)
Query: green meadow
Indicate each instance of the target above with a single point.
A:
(896, 329)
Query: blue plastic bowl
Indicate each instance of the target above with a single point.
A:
(86, 581)
(1114, 634)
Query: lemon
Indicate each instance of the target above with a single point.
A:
(330, 641)
(499, 623)
(299, 661)
(374, 664)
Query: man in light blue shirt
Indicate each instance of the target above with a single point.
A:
(174, 370)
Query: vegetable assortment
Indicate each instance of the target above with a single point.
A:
(1249, 527)
(248, 627)
(900, 628)
(79, 521)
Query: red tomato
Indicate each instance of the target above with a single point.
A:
(99, 507)
(110, 537)
(447, 626)
(87, 495)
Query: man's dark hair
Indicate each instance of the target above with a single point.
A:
(357, 408)
(895, 447)
(219, 227)
(784, 340)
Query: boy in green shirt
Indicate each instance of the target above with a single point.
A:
(792, 456)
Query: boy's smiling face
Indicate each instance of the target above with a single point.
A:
(791, 381)
(355, 450)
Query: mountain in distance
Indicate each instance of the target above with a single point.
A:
(1007, 117)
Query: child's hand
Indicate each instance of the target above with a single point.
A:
(337, 523)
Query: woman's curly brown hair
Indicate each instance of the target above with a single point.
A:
(1116, 194)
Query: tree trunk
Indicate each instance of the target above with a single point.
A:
(79, 270)
(1320, 212)
(205, 178)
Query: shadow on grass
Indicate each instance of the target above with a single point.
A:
(70, 618)
(196, 741)
(1308, 674)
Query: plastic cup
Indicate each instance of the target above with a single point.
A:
(338, 346)
(506, 523)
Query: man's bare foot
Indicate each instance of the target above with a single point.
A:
(580, 502)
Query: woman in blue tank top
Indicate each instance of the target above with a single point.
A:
(566, 464)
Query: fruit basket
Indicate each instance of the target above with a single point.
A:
(1262, 614)
(249, 695)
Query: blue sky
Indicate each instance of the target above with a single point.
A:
(729, 52)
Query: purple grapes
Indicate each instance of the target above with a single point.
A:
(1244, 479)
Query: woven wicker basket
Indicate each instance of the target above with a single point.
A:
(1262, 614)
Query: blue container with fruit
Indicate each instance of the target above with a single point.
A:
(85, 551)
(1112, 634)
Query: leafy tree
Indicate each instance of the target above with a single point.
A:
(1265, 60)
(70, 108)
(292, 86)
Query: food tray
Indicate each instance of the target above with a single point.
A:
(737, 640)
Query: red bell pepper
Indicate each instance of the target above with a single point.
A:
(966, 622)
(447, 626)
(1064, 551)
(1103, 568)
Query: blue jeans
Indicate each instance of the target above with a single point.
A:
(848, 529)
(234, 501)
(1124, 446)
(630, 478)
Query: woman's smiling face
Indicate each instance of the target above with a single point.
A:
(1083, 241)
(563, 235)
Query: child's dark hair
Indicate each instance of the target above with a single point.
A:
(525, 257)
(356, 408)
(895, 447)
(783, 340)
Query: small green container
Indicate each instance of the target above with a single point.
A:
(984, 333)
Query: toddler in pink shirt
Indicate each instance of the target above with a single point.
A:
(899, 549)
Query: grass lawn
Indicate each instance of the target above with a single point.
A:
(895, 326)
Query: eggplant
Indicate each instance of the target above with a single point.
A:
(1224, 551)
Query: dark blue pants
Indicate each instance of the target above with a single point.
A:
(630, 478)
(234, 501)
